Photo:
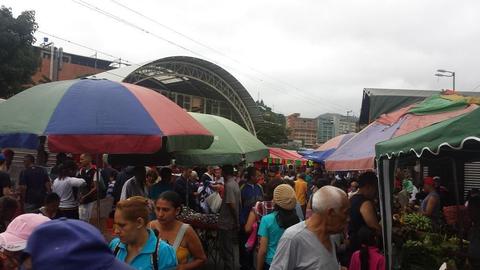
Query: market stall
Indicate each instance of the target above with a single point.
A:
(449, 144)
(207, 230)
(279, 156)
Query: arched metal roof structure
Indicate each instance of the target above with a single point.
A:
(193, 75)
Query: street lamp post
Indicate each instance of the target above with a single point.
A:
(446, 73)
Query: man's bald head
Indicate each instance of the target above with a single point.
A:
(331, 209)
(328, 197)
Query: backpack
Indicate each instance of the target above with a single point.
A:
(154, 257)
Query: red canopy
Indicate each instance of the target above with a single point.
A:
(283, 156)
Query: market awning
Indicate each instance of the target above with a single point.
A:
(378, 101)
(359, 152)
(452, 133)
(281, 156)
(328, 148)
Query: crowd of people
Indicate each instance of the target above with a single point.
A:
(267, 218)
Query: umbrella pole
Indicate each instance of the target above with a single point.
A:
(98, 190)
(186, 196)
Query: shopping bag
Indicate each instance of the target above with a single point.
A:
(214, 202)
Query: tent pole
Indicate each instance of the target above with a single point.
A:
(98, 190)
(186, 195)
(457, 200)
(385, 169)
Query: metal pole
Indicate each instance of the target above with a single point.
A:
(52, 52)
(98, 190)
(186, 195)
(457, 199)
(453, 76)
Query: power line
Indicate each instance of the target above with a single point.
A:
(307, 98)
(80, 45)
(209, 47)
(475, 88)
(119, 19)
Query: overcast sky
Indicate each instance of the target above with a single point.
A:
(300, 56)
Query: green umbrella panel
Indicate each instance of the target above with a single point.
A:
(232, 144)
(451, 133)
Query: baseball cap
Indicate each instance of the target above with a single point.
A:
(70, 244)
(428, 181)
(19, 230)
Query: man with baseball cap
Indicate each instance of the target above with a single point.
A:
(14, 240)
(430, 206)
(69, 244)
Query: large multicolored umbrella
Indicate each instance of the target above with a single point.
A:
(232, 144)
(328, 148)
(98, 116)
(359, 152)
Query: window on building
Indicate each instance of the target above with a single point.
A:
(208, 106)
(187, 102)
(180, 100)
(198, 104)
(215, 107)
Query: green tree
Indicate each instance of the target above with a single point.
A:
(272, 130)
(18, 58)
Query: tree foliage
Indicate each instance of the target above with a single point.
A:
(272, 130)
(18, 59)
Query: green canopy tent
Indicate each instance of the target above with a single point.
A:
(452, 133)
(454, 142)
(232, 145)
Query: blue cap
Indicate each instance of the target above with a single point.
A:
(70, 244)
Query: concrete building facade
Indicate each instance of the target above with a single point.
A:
(330, 125)
(302, 129)
(66, 66)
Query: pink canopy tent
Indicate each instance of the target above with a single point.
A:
(284, 157)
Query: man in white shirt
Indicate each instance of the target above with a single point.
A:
(309, 244)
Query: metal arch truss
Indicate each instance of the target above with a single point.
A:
(183, 70)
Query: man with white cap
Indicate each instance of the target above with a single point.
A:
(14, 240)
(308, 244)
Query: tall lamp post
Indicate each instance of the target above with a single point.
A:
(446, 73)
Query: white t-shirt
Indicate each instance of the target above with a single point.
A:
(64, 189)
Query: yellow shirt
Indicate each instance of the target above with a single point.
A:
(301, 191)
